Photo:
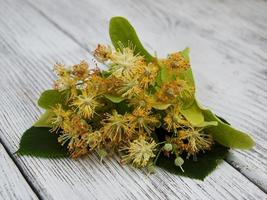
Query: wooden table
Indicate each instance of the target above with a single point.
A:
(228, 41)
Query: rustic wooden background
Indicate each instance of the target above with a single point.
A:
(228, 41)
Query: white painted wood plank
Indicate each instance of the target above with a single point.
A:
(229, 54)
(29, 45)
(12, 183)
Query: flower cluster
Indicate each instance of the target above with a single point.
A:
(118, 110)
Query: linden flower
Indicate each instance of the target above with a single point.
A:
(65, 81)
(148, 75)
(61, 117)
(116, 128)
(177, 144)
(75, 126)
(140, 152)
(143, 100)
(176, 61)
(142, 119)
(81, 71)
(61, 70)
(102, 53)
(130, 89)
(86, 104)
(70, 137)
(195, 140)
(125, 64)
(175, 89)
(93, 139)
(64, 77)
(72, 132)
(79, 151)
(95, 83)
(111, 83)
(174, 120)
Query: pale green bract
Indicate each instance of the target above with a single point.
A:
(122, 31)
(45, 119)
(161, 106)
(226, 134)
(193, 114)
(114, 99)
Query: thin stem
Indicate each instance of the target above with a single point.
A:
(155, 160)
(161, 142)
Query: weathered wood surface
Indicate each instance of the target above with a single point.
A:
(33, 37)
(228, 42)
(12, 183)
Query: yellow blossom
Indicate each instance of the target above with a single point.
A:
(130, 89)
(143, 100)
(93, 139)
(174, 119)
(86, 104)
(65, 80)
(111, 84)
(197, 141)
(96, 83)
(125, 64)
(116, 128)
(176, 62)
(102, 53)
(192, 140)
(81, 70)
(61, 117)
(148, 75)
(139, 152)
(72, 134)
(172, 90)
(61, 70)
(79, 151)
(143, 120)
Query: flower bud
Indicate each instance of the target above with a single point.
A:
(167, 147)
(102, 153)
(179, 162)
(151, 169)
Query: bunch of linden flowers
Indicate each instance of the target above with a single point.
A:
(117, 110)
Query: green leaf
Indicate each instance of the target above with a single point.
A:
(114, 99)
(40, 142)
(185, 54)
(105, 74)
(163, 75)
(45, 119)
(121, 31)
(227, 135)
(193, 114)
(205, 164)
(187, 75)
(161, 106)
(223, 120)
(207, 124)
(122, 107)
(50, 98)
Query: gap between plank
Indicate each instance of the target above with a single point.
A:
(35, 191)
(89, 51)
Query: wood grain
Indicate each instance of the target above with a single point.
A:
(30, 44)
(12, 183)
(229, 54)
